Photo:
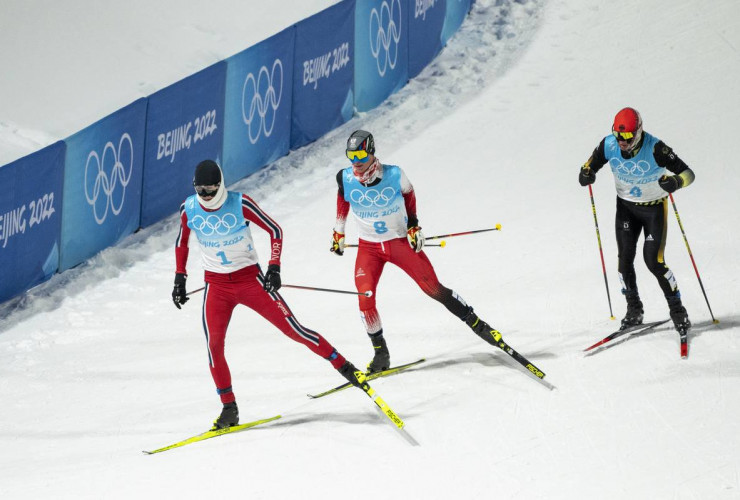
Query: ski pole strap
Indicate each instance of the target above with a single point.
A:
(497, 228)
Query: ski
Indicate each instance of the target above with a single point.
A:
(517, 357)
(684, 336)
(214, 433)
(386, 410)
(390, 371)
(630, 329)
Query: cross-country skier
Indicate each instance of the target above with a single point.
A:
(384, 204)
(639, 162)
(220, 220)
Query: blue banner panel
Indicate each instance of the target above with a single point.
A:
(30, 219)
(426, 19)
(258, 105)
(102, 184)
(381, 50)
(323, 73)
(185, 125)
(457, 11)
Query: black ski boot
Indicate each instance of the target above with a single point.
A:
(635, 312)
(382, 358)
(482, 329)
(678, 314)
(352, 374)
(229, 417)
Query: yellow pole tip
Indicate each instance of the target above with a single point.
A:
(612, 317)
(443, 243)
(716, 321)
(498, 226)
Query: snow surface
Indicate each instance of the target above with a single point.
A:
(97, 364)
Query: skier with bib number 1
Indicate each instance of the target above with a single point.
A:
(220, 220)
(639, 162)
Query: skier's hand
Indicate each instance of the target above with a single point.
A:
(272, 278)
(179, 296)
(337, 243)
(416, 238)
(586, 176)
(670, 183)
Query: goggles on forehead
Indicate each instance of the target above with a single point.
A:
(623, 136)
(207, 190)
(359, 155)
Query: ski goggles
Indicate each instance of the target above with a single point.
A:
(623, 136)
(359, 155)
(207, 190)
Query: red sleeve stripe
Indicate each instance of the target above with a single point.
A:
(276, 231)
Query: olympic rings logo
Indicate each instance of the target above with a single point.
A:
(385, 31)
(105, 185)
(262, 98)
(373, 197)
(213, 224)
(629, 167)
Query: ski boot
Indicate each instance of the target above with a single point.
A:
(678, 314)
(635, 312)
(482, 329)
(352, 374)
(382, 358)
(228, 418)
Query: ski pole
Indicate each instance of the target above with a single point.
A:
(497, 228)
(601, 252)
(442, 244)
(366, 294)
(680, 225)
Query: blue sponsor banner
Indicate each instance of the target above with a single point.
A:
(426, 19)
(457, 11)
(30, 219)
(102, 184)
(185, 125)
(323, 73)
(258, 105)
(381, 50)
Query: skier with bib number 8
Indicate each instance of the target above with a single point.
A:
(642, 166)
(383, 203)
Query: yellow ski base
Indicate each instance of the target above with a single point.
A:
(212, 434)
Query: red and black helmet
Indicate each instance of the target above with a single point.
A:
(627, 128)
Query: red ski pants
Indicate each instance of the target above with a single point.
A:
(371, 259)
(222, 294)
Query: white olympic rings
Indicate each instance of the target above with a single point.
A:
(260, 105)
(385, 30)
(373, 197)
(118, 176)
(213, 224)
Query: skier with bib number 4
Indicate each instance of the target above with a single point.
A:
(642, 166)
(220, 220)
(383, 202)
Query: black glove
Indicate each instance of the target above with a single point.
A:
(586, 176)
(670, 183)
(178, 292)
(272, 278)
